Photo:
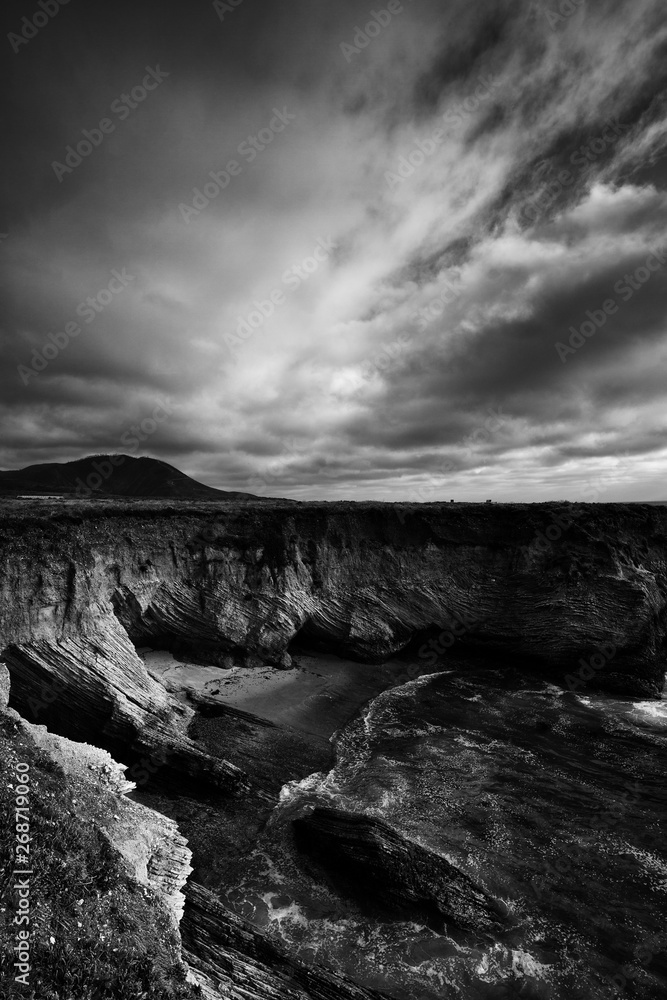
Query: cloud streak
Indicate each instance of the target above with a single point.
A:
(488, 178)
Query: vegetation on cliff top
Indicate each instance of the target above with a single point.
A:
(95, 933)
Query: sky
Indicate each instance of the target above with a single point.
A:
(411, 251)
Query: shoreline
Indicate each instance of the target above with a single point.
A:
(318, 695)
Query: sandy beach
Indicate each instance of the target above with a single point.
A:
(318, 695)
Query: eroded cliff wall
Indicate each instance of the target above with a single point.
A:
(558, 587)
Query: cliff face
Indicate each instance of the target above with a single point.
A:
(576, 592)
(156, 853)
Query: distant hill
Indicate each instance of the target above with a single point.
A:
(111, 476)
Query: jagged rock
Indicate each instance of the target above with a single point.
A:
(544, 584)
(156, 853)
(375, 864)
(106, 695)
(270, 754)
(234, 960)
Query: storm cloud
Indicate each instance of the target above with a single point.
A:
(410, 251)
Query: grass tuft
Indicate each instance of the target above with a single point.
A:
(96, 934)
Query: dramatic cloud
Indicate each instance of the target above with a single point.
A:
(410, 251)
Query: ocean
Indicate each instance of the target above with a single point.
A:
(553, 803)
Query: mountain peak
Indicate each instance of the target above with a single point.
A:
(113, 475)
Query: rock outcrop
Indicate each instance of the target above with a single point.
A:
(547, 585)
(127, 864)
(370, 861)
(234, 960)
(226, 957)
(156, 853)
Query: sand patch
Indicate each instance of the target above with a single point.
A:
(320, 694)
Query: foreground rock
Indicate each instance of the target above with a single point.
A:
(235, 961)
(375, 864)
(108, 876)
(105, 875)
(93, 687)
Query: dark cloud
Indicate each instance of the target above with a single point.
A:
(417, 355)
(470, 36)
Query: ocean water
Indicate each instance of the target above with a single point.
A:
(555, 804)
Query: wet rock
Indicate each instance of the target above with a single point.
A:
(270, 754)
(231, 957)
(374, 864)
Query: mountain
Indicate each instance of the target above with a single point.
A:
(110, 475)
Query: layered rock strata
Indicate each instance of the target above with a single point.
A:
(370, 861)
(563, 589)
(236, 961)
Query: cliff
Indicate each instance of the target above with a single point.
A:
(575, 593)
(104, 875)
(107, 881)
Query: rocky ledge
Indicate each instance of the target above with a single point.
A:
(368, 860)
(233, 960)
